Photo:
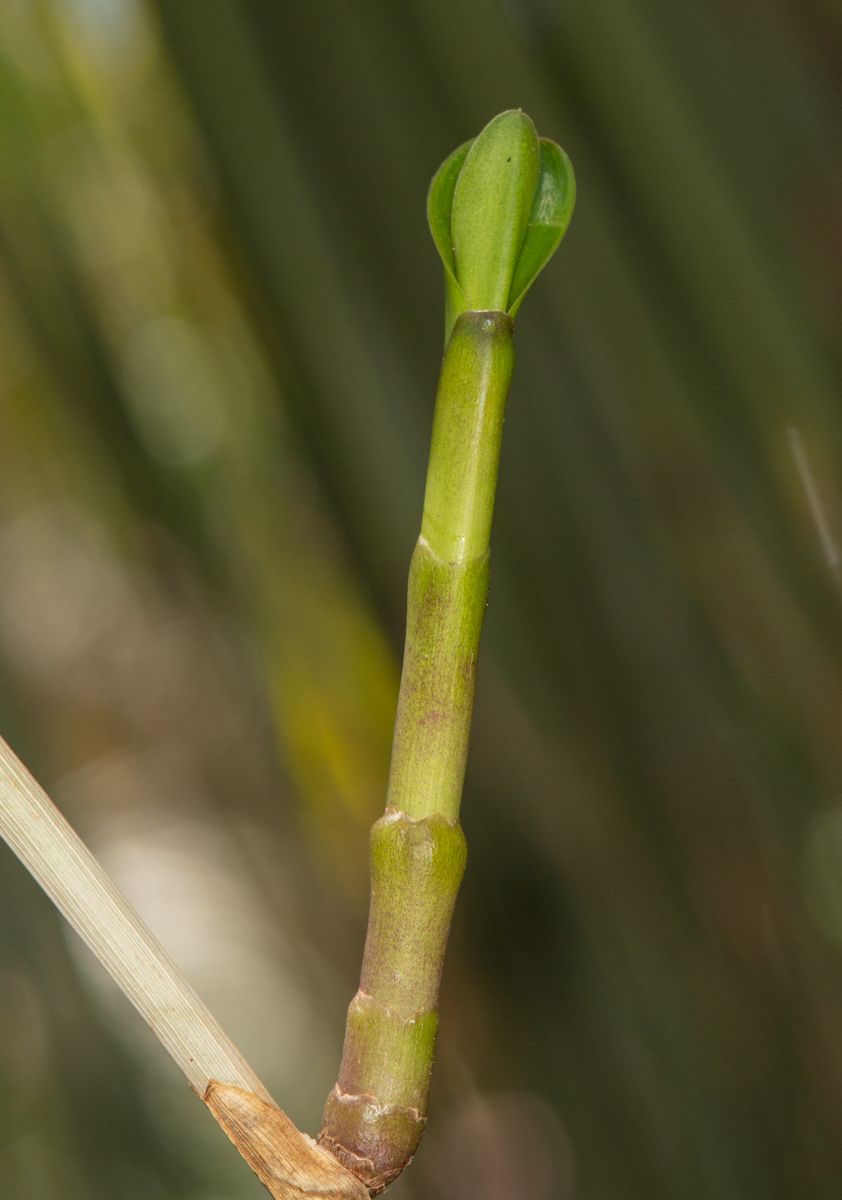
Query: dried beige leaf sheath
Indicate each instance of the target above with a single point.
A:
(290, 1164)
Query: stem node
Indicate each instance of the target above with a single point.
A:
(375, 1115)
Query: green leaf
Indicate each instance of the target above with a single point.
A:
(440, 203)
(497, 212)
(492, 202)
(552, 209)
(439, 212)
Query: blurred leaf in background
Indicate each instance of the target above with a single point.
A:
(221, 323)
(175, 605)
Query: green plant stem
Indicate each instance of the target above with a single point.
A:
(448, 576)
(375, 1114)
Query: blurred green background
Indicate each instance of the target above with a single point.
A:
(219, 343)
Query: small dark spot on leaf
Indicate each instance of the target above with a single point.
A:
(509, 159)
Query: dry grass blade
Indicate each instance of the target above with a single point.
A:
(289, 1163)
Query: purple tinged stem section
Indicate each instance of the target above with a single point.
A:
(432, 727)
(374, 1116)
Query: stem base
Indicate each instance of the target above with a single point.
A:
(374, 1117)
